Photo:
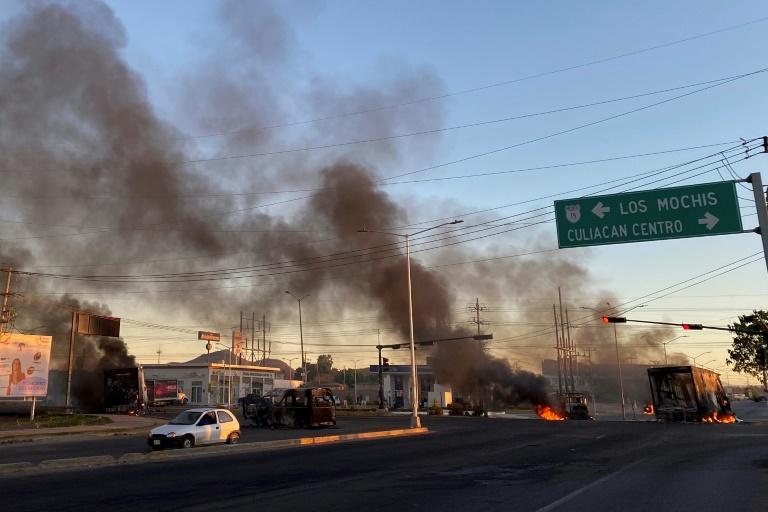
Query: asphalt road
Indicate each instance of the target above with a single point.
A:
(467, 464)
(63, 447)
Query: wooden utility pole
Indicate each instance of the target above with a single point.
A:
(5, 314)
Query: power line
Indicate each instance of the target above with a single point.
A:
(488, 86)
(134, 278)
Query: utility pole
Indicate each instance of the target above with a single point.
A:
(762, 214)
(239, 356)
(476, 308)
(381, 370)
(73, 330)
(253, 334)
(5, 314)
(559, 356)
(264, 337)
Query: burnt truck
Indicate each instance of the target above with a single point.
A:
(689, 393)
(297, 408)
(125, 391)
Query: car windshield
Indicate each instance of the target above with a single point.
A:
(185, 418)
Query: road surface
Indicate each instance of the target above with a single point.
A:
(467, 464)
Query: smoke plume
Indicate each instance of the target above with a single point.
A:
(110, 190)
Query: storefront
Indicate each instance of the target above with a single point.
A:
(215, 383)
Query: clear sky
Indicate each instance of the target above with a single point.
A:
(469, 45)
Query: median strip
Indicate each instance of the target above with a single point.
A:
(211, 451)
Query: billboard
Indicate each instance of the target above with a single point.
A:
(24, 360)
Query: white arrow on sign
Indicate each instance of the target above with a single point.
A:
(709, 220)
(601, 210)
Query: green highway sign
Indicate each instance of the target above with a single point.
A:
(676, 212)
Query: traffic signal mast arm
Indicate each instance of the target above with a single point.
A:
(477, 337)
(686, 326)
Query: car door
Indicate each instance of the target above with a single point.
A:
(227, 424)
(207, 428)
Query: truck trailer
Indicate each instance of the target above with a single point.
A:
(125, 391)
(689, 393)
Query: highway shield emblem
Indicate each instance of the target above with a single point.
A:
(573, 213)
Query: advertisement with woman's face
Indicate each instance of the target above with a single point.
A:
(24, 360)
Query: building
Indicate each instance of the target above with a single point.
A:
(397, 386)
(216, 383)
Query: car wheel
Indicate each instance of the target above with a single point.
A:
(233, 438)
(188, 442)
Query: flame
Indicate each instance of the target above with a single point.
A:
(719, 418)
(649, 409)
(545, 412)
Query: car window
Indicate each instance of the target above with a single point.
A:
(224, 417)
(185, 418)
(208, 418)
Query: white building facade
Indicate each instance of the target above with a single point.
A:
(216, 383)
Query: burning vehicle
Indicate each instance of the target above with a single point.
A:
(297, 408)
(125, 391)
(686, 393)
(570, 406)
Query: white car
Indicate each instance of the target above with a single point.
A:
(196, 426)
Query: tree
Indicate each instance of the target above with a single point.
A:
(325, 364)
(750, 345)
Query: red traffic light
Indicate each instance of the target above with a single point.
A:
(614, 320)
(693, 327)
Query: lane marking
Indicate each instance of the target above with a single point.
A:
(568, 497)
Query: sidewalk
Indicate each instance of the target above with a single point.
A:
(121, 423)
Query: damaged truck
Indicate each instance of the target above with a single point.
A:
(689, 394)
(296, 408)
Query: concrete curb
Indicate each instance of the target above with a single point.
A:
(210, 451)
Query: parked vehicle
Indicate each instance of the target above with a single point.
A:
(196, 426)
(125, 391)
(165, 392)
(686, 393)
(297, 408)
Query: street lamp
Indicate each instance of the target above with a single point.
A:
(290, 363)
(355, 387)
(301, 337)
(665, 343)
(618, 356)
(415, 422)
(698, 356)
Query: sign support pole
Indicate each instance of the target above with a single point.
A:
(762, 214)
(71, 360)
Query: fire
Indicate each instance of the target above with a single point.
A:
(719, 418)
(649, 409)
(545, 412)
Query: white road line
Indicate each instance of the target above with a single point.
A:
(568, 497)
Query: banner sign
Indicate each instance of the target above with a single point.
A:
(24, 360)
(208, 336)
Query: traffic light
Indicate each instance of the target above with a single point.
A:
(385, 364)
(693, 327)
(614, 320)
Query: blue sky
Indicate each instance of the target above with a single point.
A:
(471, 44)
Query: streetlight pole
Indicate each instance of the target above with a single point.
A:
(698, 356)
(618, 356)
(415, 422)
(355, 362)
(665, 343)
(301, 337)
